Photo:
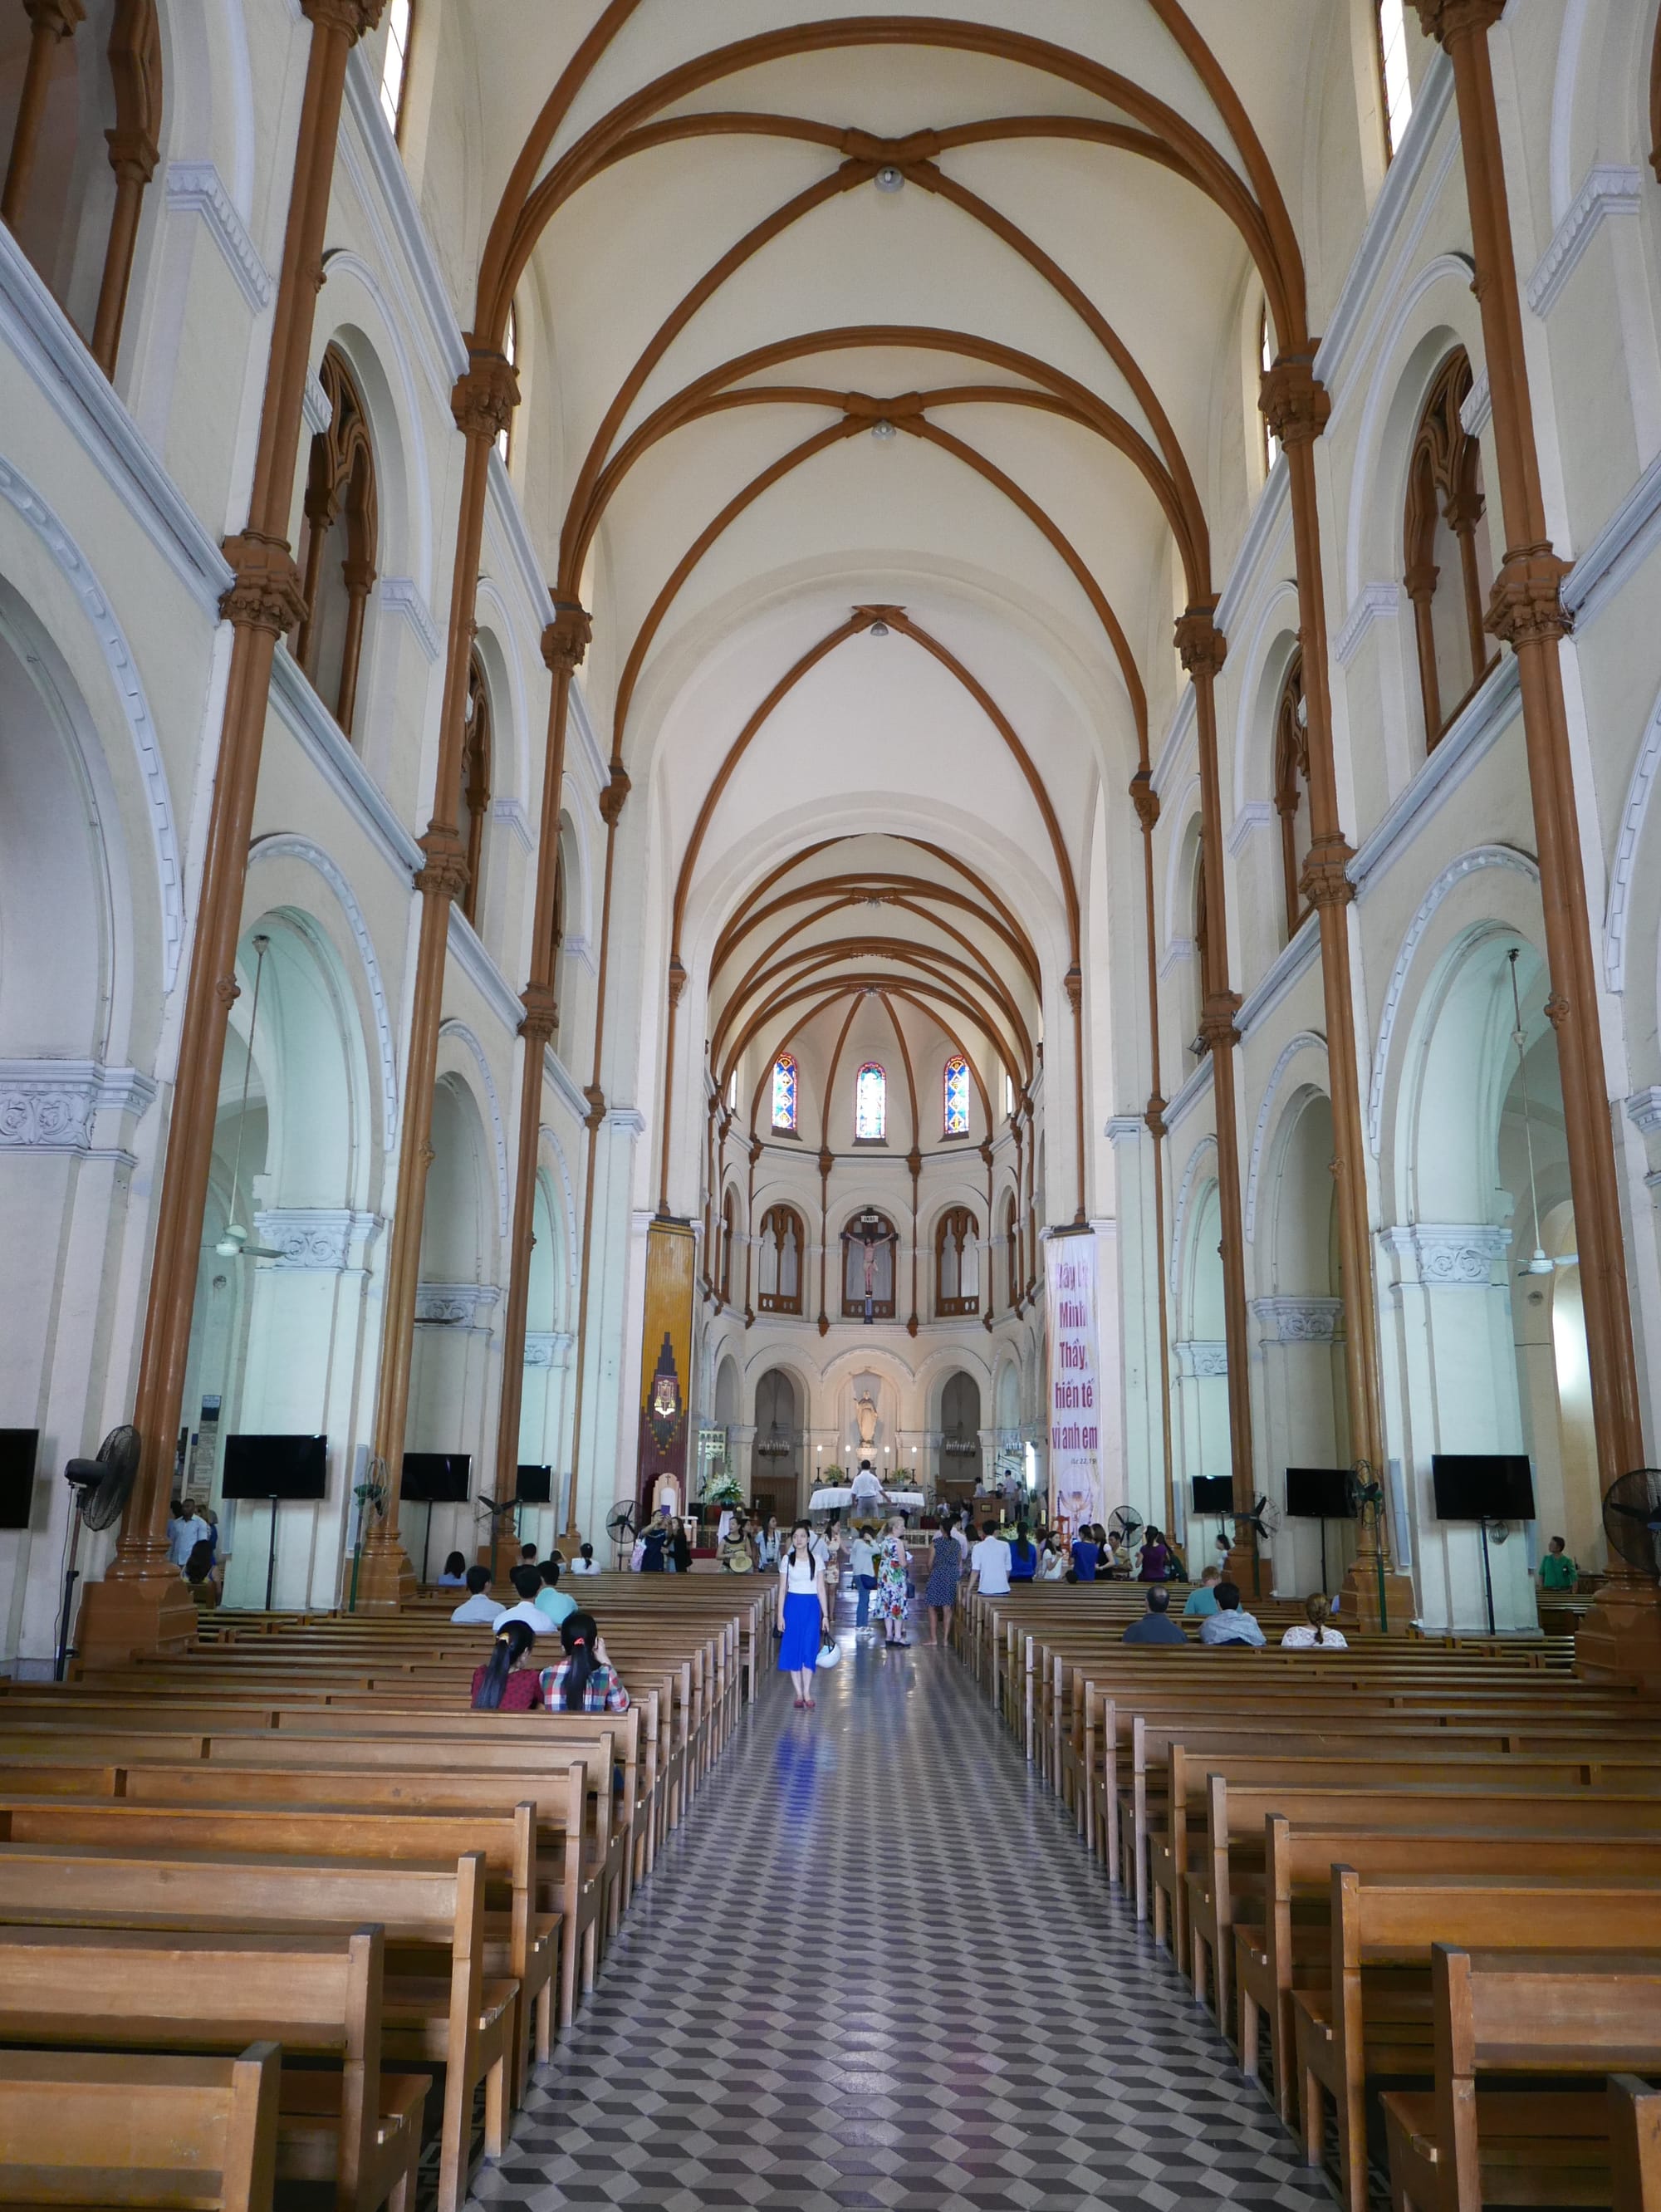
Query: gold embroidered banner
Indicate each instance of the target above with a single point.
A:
(666, 1362)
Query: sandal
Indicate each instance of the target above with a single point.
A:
(811, 1702)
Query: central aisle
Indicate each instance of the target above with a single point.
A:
(876, 1969)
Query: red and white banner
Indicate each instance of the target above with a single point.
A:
(1069, 1275)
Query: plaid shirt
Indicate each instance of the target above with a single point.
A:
(602, 1693)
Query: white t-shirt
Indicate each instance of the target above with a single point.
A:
(184, 1536)
(799, 1577)
(583, 1567)
(482, 1608)
(820, 1547)
(1303, 1638)
(960, 1539)
(864, 1558)
(532, 1615)
(991, 1561)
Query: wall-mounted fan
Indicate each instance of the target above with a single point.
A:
(1539, 1262)
(234, 1245)
(102, 1487)
(1632, 1519)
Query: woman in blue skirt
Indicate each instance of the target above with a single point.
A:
(802, 1612)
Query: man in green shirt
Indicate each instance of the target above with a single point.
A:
(1202, 1598)
(1557, 1571)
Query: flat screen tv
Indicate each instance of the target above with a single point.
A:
(535, 1486)
(1483, 1487)
(20, 1448)
(1214, 1493)
(275, 1467)
(436, 1478)
(1318, 1494)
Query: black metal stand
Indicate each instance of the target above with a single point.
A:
(62, 1657)
(1323, 1581)
(1488, 1577)
(270, 1559)
(426, 1545)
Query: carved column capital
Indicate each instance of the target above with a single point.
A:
(1201, 646)
(678, 981)
(1527, 603)
(1419, 582)
(1073, 983)
(1155, 1115)
(612, 797)
(1216, 1022)
(826, 1161)
(62, 18)
(353, 19)
(596, 1113)
(1145, 798)
(444, 871)
(133, 155)
(485, 395)
(1326, 878)
(564, 640)
(1296, 406)
(542, 1013)
(265, 592)
(1447, 20)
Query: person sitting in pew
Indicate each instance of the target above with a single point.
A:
(584, 1681)
(527, 1555)
(455, 1573)
(586, 1563)
(1156, 1626)
(1231, 1622)
(478, 1607)
(1202, 1598)
(527, 1582)
(1314, 1634)
(502, 1685)
(554, 1604)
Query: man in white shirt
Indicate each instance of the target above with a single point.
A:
(478, 1607)
(527, 1582)
(863, 1565)
(1230, 1623)
(988, 1565)
(184, 1534)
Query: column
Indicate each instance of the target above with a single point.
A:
(49, 23)
(1145, 799)
(1296, 1340)
(1622, 1636)
(1297, 409)
(483, 403)
(1201, 647)
(140, 1606)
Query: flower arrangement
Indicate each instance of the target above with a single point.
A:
(722, 1489)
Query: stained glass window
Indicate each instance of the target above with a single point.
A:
(957, 1096)
(784, 1091)
(870, 1104)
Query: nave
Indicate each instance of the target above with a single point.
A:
(879, 1969)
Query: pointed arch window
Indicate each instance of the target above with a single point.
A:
(511, 356)
(1292, 788)
(784, 1095)
(475, 783)
(870, 1105)
(337, 557)
(1447, 570)
(957, 1264)
(1390, 18)
(954, 1084)
(784, 1245)
(728, 1237)
(1012, 1248)
(395, 63)
(1271, 444)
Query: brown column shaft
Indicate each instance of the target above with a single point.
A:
(49, 21)
(133, 158)
(483, 402)
(564, 642)
(1421, 587)
(261, 605)
(1145, 799)
(1528, 613)
(1201, 647)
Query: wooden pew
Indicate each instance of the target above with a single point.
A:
(1634, 2117)
(359, 2129)
(456, 2019)
(1459, 2145)
(1392, 1923)
(168, 2135)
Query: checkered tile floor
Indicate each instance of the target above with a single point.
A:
(874, 1969)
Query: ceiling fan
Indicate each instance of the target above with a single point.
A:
(234, 1245)
(1539, 1262)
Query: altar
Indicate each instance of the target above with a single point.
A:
(843, 1499)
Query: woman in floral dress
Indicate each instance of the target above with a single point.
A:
(893, 1583)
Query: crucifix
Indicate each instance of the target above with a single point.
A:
(872, 1233)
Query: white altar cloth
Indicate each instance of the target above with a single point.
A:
(839, 1500)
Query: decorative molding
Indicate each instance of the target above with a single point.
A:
(1449, 1255)
(1373, 602)
(1624, 543)
(386, 165)
(1256, 814)
(1305, 1041)
(559, 1078)
(45, 344)
(1468, 863)
(315, 1236)
(624, 1121)
(1644, 1111)
(1464, 745)
(1125, 1129)
(579, 949)
(454, 1305)
(467, 950)
(130, 693)
(314, 405)
(400, 595)
(288, 845)
(511, 813)
(1301, 950)
(1299, 1320)
(331, 753)
(548, 1348)
(1198, 1086)
(1607, 190)
(1476, 409)
(197, 188)
(1200, 1359)
(1182, 725)
(470, 1043)
(588, 743)
(1177, 950)
(1616, 914)
(54, 1105)
(1206, 1147)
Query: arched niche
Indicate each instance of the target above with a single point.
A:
(960, 1460)
(776, 1469)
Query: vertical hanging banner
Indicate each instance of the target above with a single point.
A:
(1070, 1278)
(666, 1364)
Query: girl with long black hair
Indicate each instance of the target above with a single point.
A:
(584, 1681)
(501, 1685)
